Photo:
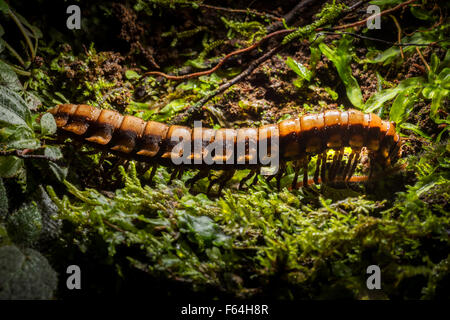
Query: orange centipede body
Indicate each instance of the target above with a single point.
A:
(297, 140)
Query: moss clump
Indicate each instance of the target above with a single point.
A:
(25, 274)
(25, 224)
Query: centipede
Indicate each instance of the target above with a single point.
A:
(295, 141)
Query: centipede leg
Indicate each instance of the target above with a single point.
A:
(340, 165)
(180, 173)
(203, 173)
(356, 160)
(246, 178)
(323, 169)
(348, 165)
(316, 173)
(223, 179)
(297, 166)
(174, 174)
(280, 174)
(102, 159)
(305, 172)
(152, 174)
(334, 166)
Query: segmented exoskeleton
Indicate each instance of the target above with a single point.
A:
(297, 139)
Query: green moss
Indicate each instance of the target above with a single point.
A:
(24, 225)
(25, 275)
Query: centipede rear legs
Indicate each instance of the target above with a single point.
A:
(203, 173)
(278, 175)
(253, 173)
(221, 180)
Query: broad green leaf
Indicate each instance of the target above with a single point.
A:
(389, 55)
(341, 58)
(378, 99)
(436, 102)
(170, 109)
(202, 230)
(53, 152)
(48, 124)
(59, 172)
(10, 166)
(4, 6)
(21, 144)
(402, 103)
(434, 62)
(415, 129)
(299, 69)
(8, 77)
(421, 14)
(13, 109)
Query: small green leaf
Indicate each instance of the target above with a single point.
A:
(8, 77)
(299, 69)
(421, 14)
(4, 6)
(378, 99)
(341, 58)
(170, 109)
(13, 109)
(131, 74)
(10, 166)
(402, 103)
(48, 124)
(385, 2)
(415, 129)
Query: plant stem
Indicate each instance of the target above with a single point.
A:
(22, 29)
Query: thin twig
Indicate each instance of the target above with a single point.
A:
(399, 34)
(431, 44)
(292, 15)
(23, 154)
(22, 29)
(221, 62)
(358, 23)
(261, 14)
(14, 53)
(192, 109)
(423, 59)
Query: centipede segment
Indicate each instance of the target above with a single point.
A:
(292, 140)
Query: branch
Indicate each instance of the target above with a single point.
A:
(24, 155)
(408, 44)
(261, 14)
(288, 18)
(217, 66)
(196, 107)
(358, 23)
